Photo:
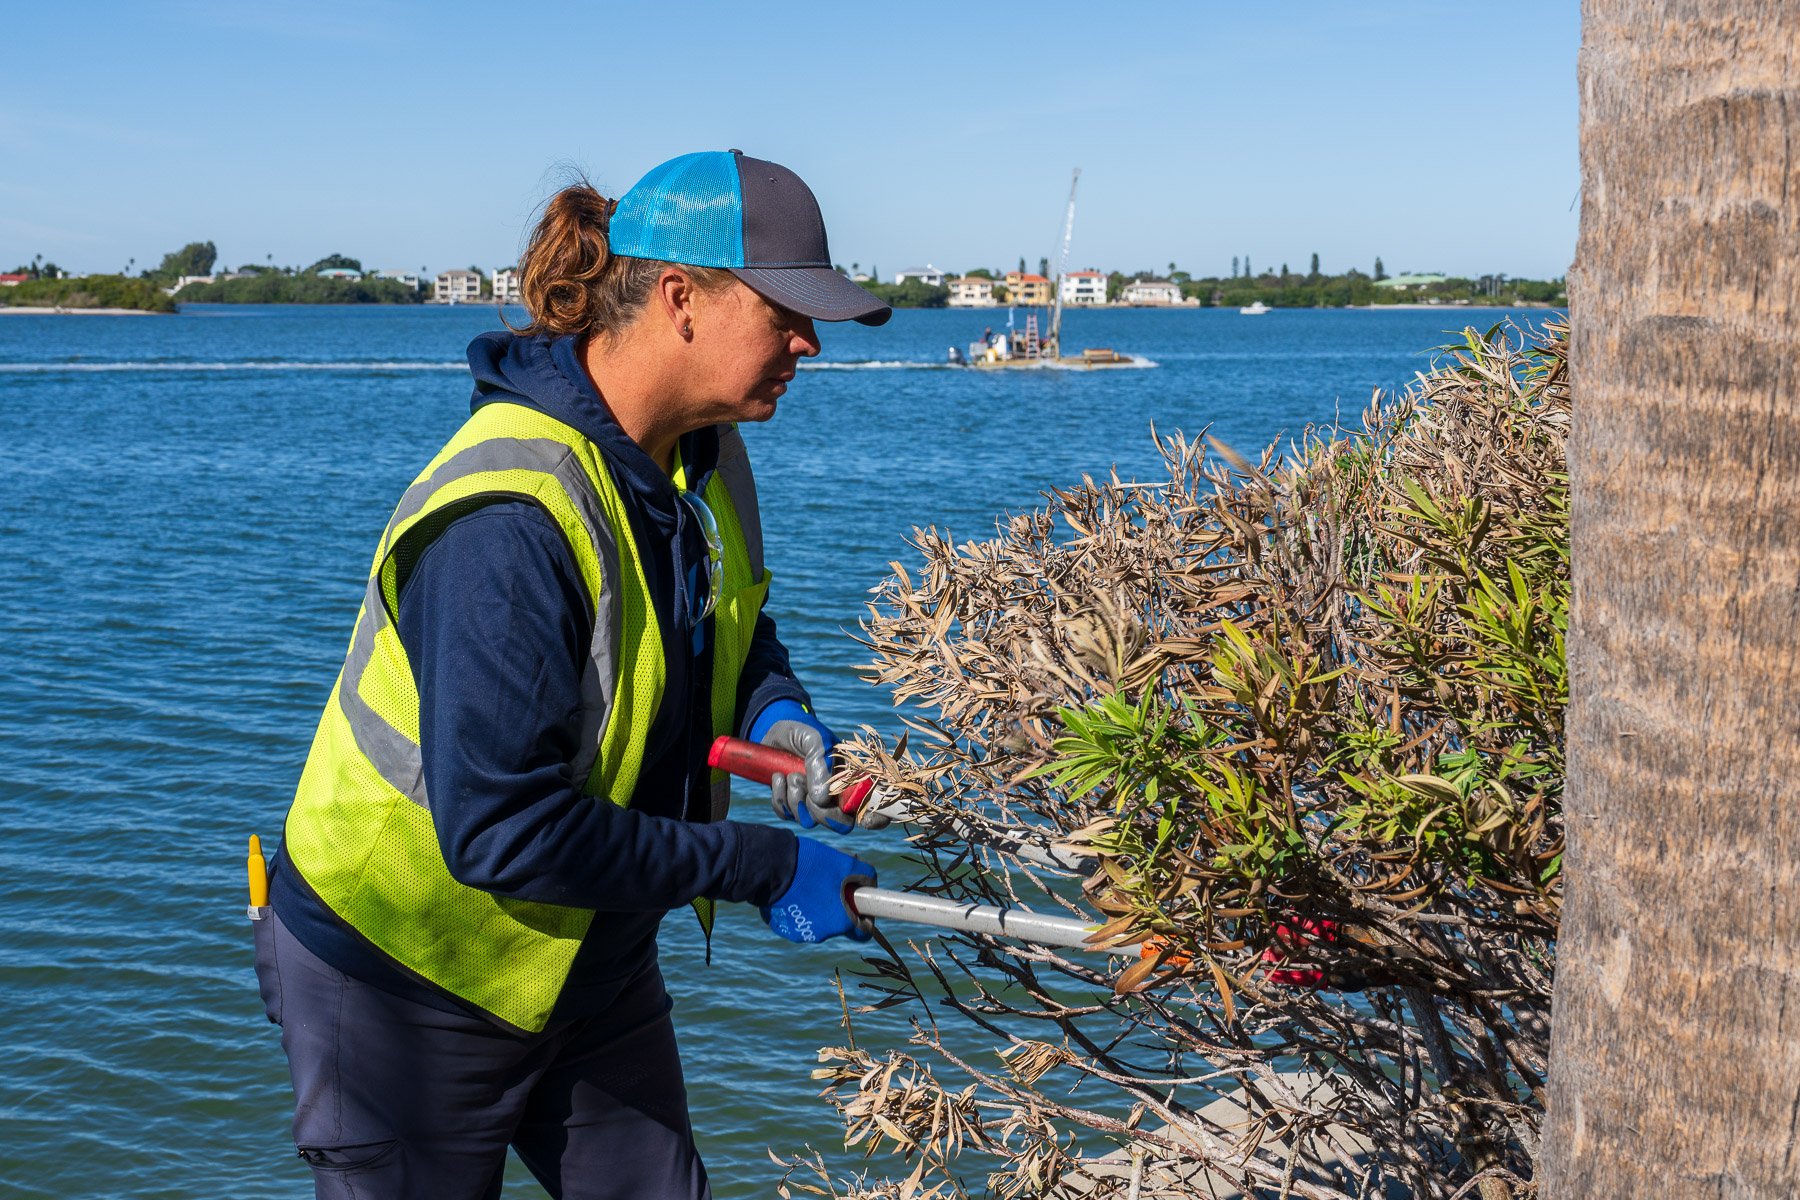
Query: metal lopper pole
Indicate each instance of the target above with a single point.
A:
(1018, 923)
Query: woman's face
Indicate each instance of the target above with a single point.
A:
(750, 349)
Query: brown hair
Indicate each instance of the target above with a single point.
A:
(570, 279)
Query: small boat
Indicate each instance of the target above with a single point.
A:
(1255, 310)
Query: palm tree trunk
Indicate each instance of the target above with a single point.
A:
(1675, 1052)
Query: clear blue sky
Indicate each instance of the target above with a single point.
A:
(1438, 134)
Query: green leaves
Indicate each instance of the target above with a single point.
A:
(1414, 722)
(1304, 709)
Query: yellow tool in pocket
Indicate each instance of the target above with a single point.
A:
(259, 881)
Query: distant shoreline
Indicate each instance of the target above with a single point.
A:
(43, 310)
(1069, 310)
(1452, 307)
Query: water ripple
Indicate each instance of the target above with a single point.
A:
(187, 510)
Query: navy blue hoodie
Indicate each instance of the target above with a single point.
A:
(495, 624)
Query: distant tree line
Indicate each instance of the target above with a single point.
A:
(1288, 289)
(266, 283)
(276, 287)
(1314, 289)
(269, 284)
(1280, 288)
(89, 291)
(37, 268)
(254, 283)
(914, 293)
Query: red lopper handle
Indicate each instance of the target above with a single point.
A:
(750, 760)
(753, 761)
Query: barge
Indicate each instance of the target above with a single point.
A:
(1010, 349)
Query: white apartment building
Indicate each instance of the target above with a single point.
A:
(506, 286)
(928, 275)
(1151, 291)
(1084, 289)
(406, 277)
(457, 287)
(972, 291)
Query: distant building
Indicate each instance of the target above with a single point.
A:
(506, 286)
(1409, 281)
(972, 291)
(1084, 289)
(1025, 288)
(1151, 292)
(457, 287)
(860, 278)
(12, 280)
(928, 275)
(183, 280)
(339, 273)
(405, 277)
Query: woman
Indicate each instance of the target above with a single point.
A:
(508, 788)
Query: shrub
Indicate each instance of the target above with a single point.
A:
(1306, 715)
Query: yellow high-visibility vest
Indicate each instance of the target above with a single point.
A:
(360, 832)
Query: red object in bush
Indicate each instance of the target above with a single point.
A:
(1294, 935)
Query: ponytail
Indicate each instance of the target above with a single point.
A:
(572, 282)
(565, 260)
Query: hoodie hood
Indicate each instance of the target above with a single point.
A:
(546, 373)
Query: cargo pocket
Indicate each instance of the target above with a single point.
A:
(268, 967)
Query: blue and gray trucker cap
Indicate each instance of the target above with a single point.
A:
(754, 218)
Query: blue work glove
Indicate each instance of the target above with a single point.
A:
(803, 796)
(816, 905)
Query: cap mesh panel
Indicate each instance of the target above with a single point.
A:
(688, 210)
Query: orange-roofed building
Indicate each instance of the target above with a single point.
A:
(1025, 288)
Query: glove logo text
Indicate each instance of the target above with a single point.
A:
(802, 926)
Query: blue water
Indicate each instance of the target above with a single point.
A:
(187, 509)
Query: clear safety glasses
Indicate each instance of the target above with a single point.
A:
(715, 556)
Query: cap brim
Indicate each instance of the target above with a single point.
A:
(817, 292)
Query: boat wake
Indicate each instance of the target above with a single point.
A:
(876, 365)
(1134, 364)
(900, 365)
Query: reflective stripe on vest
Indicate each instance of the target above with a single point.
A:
(360, 830)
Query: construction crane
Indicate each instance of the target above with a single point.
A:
(1062, 266)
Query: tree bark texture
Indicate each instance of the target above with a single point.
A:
(1675, 1051)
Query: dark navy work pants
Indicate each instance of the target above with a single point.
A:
(395, 1099)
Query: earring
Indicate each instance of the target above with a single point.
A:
(687, 330)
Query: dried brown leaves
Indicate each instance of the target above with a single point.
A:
(1307, 713)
